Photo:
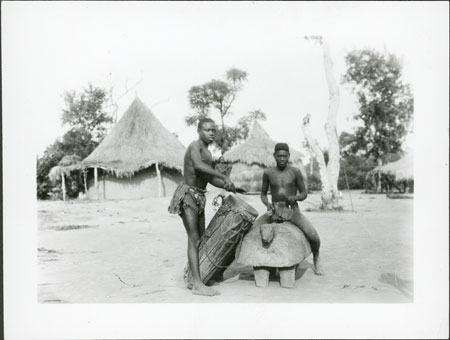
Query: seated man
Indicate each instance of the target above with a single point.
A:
(284, 182)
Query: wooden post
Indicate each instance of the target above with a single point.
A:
(63, 186)
(96, 183)
(85, 182)
(104, 185)
(160, 187)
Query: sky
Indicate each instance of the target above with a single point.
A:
(167, 47)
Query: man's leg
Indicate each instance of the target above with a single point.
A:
(191, 224)
(313, 237)
(263, 219)
(201, 225)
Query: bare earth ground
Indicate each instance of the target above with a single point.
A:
(134, 252)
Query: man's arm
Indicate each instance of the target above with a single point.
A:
(300, 186)
(203, 167)
(220, 183)
(264, 189)
(302, 194)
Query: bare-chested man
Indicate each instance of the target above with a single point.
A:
(189, 198)
(287, 187)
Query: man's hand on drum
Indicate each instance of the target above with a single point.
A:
(241, 190)
(291, 200)
(229, 186)
(270, 209)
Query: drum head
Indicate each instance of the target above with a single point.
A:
(242, 205)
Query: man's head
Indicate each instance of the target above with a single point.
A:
(281, 154)
(221, 159)
(206, 130)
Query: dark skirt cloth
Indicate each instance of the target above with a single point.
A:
(282, 212)
(186, 196)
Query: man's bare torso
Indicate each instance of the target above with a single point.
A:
(282, 183)
(191, 176)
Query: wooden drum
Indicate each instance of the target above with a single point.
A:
(220, 240)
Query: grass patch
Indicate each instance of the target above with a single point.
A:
(49, 251)
(72, 227)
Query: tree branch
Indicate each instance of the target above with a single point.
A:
(315, 148)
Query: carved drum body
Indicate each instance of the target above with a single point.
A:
(276, 245)
(220, 240)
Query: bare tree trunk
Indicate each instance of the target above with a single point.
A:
(314, 147)
(330, 127)
(329, 173)
(378, 187)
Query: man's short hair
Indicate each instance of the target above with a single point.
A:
(281, 146)
(203, 121)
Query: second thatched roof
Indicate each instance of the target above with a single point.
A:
(258, 149)
(403, 169)
(138, 141)
(65, 166)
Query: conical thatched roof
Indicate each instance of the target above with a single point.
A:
(138, 141)
(258, 149)
(403, 169)
(65, 166)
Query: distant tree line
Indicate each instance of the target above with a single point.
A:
(386, 107)
(86, 115)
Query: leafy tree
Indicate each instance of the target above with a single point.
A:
(52, 155)
(78, 141)
(86, 115)
(385, 103)
(245, 123)
(218, 96)
(355, 167)
(86, 110)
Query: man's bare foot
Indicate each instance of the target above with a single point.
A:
(318, 270)
(201, 289)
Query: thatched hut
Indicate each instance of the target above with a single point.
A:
(255, 154)
(403, 169)
(65, 166)
(139, 158)
(398, 174)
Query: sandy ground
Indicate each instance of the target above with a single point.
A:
(134, 252)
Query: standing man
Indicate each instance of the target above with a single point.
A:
(223, 167)
(189, 199)
(286, 188)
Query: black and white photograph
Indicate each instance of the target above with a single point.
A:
(225, 169)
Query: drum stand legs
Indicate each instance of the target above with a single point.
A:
(287, 276)
(261, 276)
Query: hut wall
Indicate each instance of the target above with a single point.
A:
(142, 184)
(247, 176)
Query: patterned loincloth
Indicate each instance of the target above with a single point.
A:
(282, 212)
(186, 196)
